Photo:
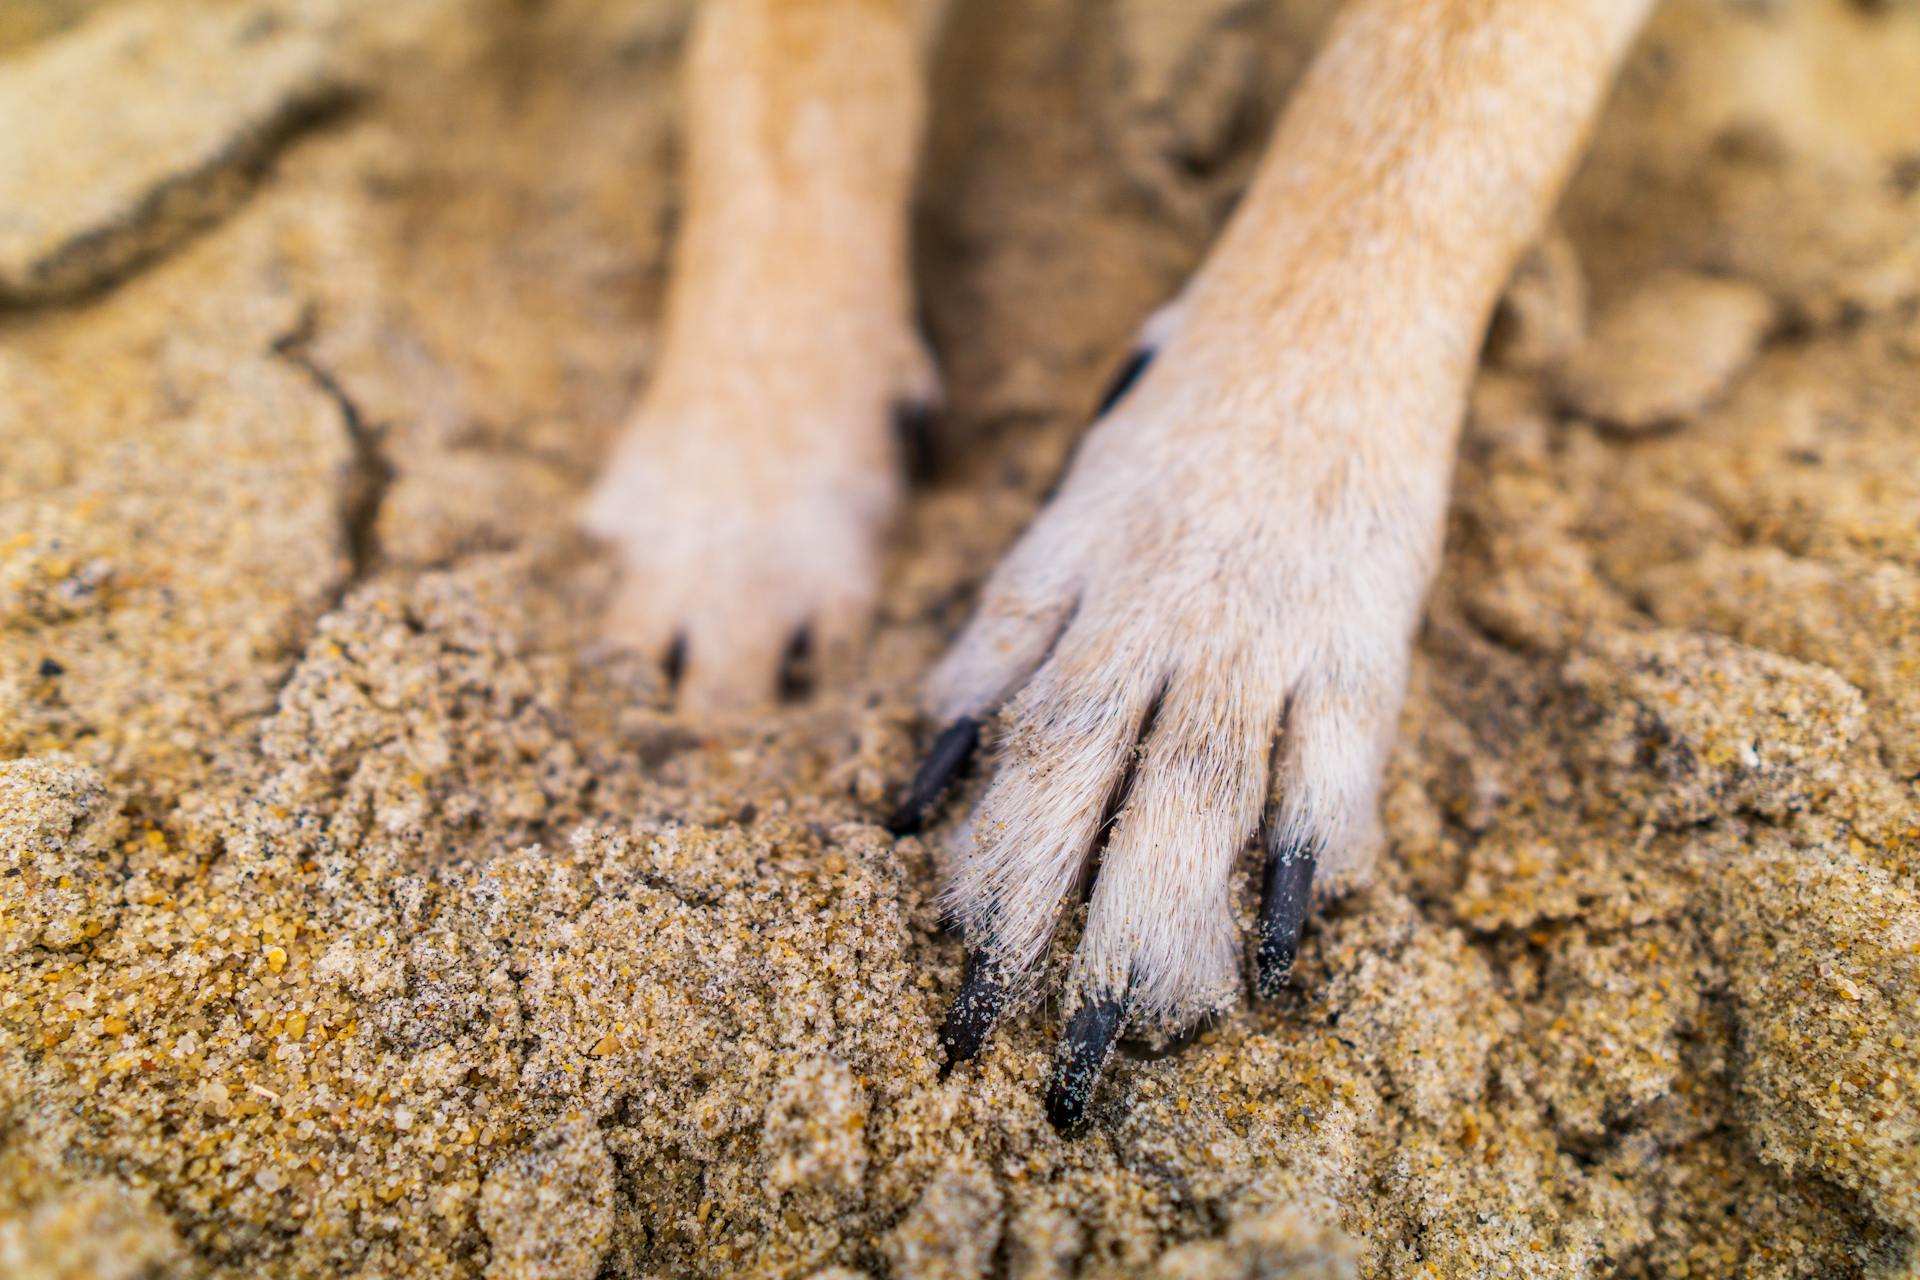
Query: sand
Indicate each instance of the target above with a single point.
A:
(362, 915)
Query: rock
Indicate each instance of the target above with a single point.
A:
(1666, 350)
(149, 121)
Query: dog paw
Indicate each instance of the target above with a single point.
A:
(1204, 636)
(747, 501)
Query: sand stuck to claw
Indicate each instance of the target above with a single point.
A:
(361, 916)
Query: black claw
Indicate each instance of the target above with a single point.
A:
(674, 664)
(951, 750)
(796, 675)
(970, 1019)
(1084, 1049)
(913, 428)
(1123, 381)
(1283, 908)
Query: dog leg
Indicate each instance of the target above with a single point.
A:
(1229, 580)
(747, 496)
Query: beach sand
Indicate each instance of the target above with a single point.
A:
(362, 914)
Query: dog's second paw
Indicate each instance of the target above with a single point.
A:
(1216, 609)
(746, 502)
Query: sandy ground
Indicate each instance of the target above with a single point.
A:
(361, 915)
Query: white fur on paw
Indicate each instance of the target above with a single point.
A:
(747, 508)
(1226, 587)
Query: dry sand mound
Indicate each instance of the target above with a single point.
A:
(360, 916)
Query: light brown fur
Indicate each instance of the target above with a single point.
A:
(1244, 543)
(750, 492)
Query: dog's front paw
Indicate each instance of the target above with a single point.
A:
(1216, 609)
(746, 502)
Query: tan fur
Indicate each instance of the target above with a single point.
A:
(1246, 541)
(750, 492)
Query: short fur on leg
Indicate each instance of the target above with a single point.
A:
(748, 495)
(1245, 541)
